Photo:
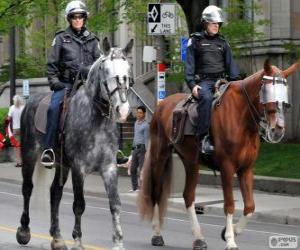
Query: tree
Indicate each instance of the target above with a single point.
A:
(192, 10)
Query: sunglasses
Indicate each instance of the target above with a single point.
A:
(74, 17)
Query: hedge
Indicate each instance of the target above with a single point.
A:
(3, 115)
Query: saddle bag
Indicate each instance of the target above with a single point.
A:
(179, 119)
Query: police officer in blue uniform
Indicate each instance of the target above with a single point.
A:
(208, 59)
(73, 53)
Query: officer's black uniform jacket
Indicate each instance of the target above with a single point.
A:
(207, 55)
(71, 53)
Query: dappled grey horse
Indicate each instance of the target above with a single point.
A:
(90, 144)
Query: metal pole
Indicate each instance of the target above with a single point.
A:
(12, 64)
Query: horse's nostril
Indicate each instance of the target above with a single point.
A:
(117, 109)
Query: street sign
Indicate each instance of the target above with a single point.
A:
(161, 82)
(184, 42)
(161, 19)
(25, 88)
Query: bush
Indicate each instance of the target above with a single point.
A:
(3, 115)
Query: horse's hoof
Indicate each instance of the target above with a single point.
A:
(58, 244)
(199, 245)
(157, 241)
(23, 235)
(223, 234)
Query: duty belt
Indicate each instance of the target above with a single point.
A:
(200, 77)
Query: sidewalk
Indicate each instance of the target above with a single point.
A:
(275, 208)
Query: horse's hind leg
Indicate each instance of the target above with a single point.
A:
(56, 191)
(78, 207)
(191, 180)
(23, 233)
(110, 179)
(246, 186)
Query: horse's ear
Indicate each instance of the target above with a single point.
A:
(290, 70)
(128, 47)
(268, 67)
(106, 46)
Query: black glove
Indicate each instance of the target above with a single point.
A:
(56, 86)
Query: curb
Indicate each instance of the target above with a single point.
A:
(261, 183)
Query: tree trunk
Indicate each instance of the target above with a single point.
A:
(192, 10)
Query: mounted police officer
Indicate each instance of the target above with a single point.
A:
(73, 53)
(208, 59)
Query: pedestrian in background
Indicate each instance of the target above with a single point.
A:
(139, 146)
(14, 117)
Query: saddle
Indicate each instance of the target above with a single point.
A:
(185, 115)
(40, 117)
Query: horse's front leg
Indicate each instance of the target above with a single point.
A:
(110, 179)
(227, 172)
(78, 207)
(23, 233)
(56, 191)
(246, 186)
(191, 180)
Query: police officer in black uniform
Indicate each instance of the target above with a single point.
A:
(208, 59)
(73, 53)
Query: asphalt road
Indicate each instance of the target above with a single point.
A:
(137, 234)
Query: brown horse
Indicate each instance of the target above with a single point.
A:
(255, 104)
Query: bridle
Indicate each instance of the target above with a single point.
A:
(274, 92)
(104, 106)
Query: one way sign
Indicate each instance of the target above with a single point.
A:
(161, 19)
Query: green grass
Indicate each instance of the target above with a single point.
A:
(279, 160)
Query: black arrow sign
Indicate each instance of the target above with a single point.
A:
(154, 28)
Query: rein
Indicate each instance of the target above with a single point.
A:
(252, 109)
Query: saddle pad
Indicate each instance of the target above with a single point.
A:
(40, 117)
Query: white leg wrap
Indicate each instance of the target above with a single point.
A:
(155, 221)
(194, 222)
(242, 223)
(229, 235)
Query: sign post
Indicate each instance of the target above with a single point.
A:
(26, 89)
(161, 82)
(161, 21)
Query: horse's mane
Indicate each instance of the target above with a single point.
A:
(256, 77)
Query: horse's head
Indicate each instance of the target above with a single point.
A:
(274, 100)
(115, 78)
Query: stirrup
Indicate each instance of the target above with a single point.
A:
(206, 147)
(48, 164)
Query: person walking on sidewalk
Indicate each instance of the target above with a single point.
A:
(73, 53)
(13, 117)
(139, 146)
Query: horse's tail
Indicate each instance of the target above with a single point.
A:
(157, 172)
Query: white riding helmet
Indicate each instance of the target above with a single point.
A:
(212, 14)
(76, 7)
